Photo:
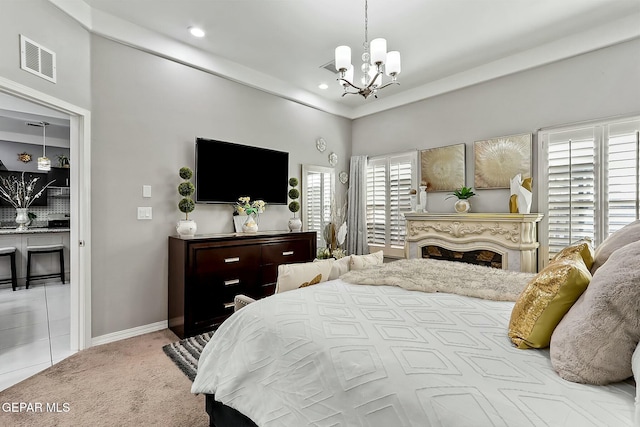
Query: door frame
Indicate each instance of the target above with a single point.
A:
(80, 206)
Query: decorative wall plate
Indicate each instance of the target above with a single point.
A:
(321, 144)
(24, 157)
(343, 177)
(333, 159)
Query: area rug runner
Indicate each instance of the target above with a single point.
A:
(185, 353)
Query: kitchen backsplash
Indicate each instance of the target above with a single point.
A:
(57, 203)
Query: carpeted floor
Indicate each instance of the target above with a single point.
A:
(126, 383)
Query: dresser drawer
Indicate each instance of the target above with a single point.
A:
(208, 260)
(286, 252)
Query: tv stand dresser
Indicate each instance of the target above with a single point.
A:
(206, 272)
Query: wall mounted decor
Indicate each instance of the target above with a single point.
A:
(24, 157)
(443, 168)
(321, 144)
(333, 159)
(343, 177)
(497, 160)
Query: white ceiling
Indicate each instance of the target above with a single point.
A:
(280, 45)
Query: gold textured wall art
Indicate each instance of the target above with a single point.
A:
(443, 168)
(497, 160)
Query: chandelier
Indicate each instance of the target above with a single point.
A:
(376, 61)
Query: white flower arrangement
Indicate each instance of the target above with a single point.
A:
(19, 192)
(244, 206)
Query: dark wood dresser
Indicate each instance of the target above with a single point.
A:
(207, 271)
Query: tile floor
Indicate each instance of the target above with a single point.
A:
(34, 330)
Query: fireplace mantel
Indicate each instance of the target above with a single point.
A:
(514, 236)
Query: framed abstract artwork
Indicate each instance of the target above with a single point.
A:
(497, 160)
(443, 168)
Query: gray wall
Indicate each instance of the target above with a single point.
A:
(146, 114)
(43, 23)
(596, 85)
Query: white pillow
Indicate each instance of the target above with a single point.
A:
(340, 267)
(291, 276)
(360, 262)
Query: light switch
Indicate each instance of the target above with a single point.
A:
(144, 213)
(146, 191)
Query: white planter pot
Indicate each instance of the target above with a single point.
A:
(462, 206)
(295, 224)
(186, 227)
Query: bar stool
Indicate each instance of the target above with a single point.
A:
(45, 249)
(10, 251)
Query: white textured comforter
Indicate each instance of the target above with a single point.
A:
(336, 354)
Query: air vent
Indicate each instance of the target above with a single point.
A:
(330, 66)
(37, 59)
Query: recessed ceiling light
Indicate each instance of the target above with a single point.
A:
(196, 32)
(323, 86)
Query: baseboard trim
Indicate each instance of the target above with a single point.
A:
(129, 333)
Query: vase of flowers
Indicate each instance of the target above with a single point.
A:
(295, 223)
(244, 206)
(186, 226)
(20, 194)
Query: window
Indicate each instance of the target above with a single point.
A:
(590, 177)
(318, 187)
(389, 181)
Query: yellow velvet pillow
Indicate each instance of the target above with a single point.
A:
(546, 299)
(582, 247)
(313, 281)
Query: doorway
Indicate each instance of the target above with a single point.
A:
(80, 207)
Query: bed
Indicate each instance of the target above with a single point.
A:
(342, 354)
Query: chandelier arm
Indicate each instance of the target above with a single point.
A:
(373, 80)
(350, 84)
(388, 84)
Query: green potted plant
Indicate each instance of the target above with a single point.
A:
(186, 226)
(63, 161)
(295, 223)
(463, 194)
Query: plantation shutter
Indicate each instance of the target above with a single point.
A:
(622, 180)
(389, 181)
(571, 187)
(318, 200)
(399, 188)
(376, 201)
(589, 175)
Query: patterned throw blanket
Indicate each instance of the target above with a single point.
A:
(429, 275)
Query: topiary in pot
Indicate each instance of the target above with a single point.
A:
(186, 227)
(295, 224)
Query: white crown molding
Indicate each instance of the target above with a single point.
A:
(114, 28)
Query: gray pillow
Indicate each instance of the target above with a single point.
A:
(594, 341)
(628, 234)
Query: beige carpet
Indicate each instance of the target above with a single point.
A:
(126, 383)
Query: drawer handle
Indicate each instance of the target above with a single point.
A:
(231, 282)
(234, 259)
(229, 305)
(287, 253)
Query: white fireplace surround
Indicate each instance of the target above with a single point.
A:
(513, 236)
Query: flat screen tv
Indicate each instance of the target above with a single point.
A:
(226, 171)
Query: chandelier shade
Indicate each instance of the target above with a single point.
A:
(376, 61)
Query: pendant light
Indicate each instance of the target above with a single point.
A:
(44, 164)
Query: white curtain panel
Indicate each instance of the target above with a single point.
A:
(356, 217)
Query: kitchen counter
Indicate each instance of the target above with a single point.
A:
(34, 230)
